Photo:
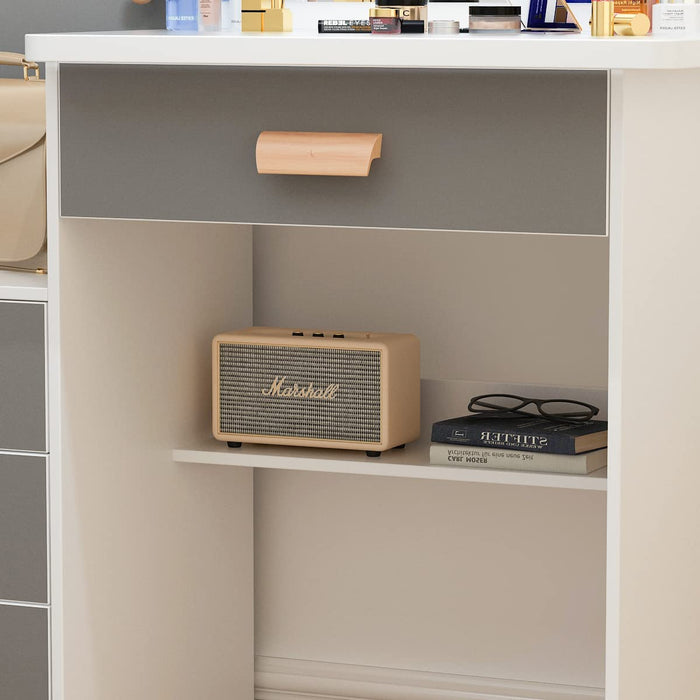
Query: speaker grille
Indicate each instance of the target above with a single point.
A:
(351, 412)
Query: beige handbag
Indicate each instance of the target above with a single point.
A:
(22, 162)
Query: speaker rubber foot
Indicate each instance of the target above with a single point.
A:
(234, 444)
(373, 453)
(400, 447)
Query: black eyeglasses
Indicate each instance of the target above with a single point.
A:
(504, 405)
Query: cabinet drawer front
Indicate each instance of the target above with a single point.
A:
(522, 151)
(22, 377)
(23, 527)
(24, 653)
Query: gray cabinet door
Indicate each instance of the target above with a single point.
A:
(23, 528)
(24, 653)
(22, 377)
(522, 151)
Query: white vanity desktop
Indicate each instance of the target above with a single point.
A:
(532, 219)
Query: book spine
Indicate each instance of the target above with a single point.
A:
(537, 13)
(482, 458)
(479, 435)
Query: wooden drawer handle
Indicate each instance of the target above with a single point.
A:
(316, 153)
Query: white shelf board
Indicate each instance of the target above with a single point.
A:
(306, 48)
(412, 462)
(440, 399)
(22, 286)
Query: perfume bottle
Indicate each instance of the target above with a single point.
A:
(265, 16)
(181, 15)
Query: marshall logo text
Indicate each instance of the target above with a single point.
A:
(307, 391)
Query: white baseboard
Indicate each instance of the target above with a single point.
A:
(296, 679)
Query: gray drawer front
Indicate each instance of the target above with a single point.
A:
(23, 547)
(462, 150)
(24, 653)
(22, 377)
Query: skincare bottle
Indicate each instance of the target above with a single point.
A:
(210, 15)
(627, 7)
(181, 15)
(226, 17)
(676, 18)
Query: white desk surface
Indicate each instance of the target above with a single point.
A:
(305, 48)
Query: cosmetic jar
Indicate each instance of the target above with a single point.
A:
(384, 20)
(411, 10)
(676, 18)
(443, 26)
(494, 18)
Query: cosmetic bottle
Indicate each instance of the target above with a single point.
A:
(227, 15)
(410, 11)
(278, 18)
(181, 15)
(265, 16)
(209, 15)
(676, 18)
(627, 7)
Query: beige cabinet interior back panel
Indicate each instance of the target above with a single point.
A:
(495, 581)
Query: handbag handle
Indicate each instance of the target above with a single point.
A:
(8, 58)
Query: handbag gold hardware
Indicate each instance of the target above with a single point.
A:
(27, 66)
(33, 270)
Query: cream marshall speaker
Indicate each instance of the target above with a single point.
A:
(285, 386)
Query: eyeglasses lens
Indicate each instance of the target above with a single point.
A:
(567, 410)
(498, 402)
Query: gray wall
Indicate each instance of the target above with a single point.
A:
(36, 16)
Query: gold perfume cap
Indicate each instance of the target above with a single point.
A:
(255, 5)
(631, 24)
(383, 12)
(602, 12)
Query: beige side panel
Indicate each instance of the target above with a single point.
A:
(655, 383)
(157, 557)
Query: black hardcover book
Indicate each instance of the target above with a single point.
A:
(527, 433)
